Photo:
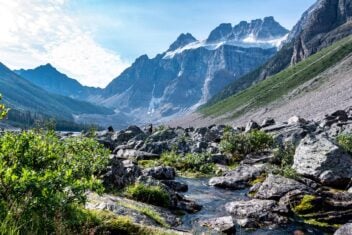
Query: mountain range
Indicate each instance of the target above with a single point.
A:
(23, 96)
(191, 73)
(178, 80)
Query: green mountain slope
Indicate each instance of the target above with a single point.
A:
(275, 87)
(20, 94)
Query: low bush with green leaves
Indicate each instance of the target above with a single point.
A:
(3, 109)
(284, 157)
(43, 178)
(241, 144)
(192, 163)
(154, 195)
(189, 165)
(345, 142)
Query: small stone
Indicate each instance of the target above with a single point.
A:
(296, 120)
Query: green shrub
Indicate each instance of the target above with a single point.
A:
(241, 144)
(283, 157)
(190, 163)
(154, 195)
(43, 178)
(345, 142)
(3, 110)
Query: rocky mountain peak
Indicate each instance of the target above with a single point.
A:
(258, 29)
(220, 32)
(181, 41)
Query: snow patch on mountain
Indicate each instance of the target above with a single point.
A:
(247, 42)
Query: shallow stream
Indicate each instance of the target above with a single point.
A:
(213, 201)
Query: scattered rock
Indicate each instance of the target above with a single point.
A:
(255, 213)
(268, 122)
(252, 125)
(276, 186)
(296, 120)
(320, 159)
(221, 224)
(136, 154)
(121, 173)
(239, 178)
(161, 172)
(175, 185)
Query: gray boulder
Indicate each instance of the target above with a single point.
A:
(176, 185)
(320, 159)
(239, 178)
(121, 173)
(344, 230)
(276, 186)
(222, 224)
(161, 172)
(135, 154)
(255, 213)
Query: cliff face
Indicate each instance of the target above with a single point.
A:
(324, 23)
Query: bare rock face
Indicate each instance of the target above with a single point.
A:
(320, 159)
(324, 23)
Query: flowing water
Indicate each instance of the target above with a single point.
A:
(213, 201)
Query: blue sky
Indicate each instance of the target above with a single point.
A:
(148, 27)
(95, 40)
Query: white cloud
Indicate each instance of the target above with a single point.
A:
(35, 32)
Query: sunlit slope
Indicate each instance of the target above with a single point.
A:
(277, 86)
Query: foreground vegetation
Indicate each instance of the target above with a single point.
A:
(277, 86)
(44, 179)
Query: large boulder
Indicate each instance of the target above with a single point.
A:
(255, 213)
(160, 172)
(121, 173)
(239, 178)
(135, 154)
(156, 147)
(162, 135)
(320, 159)
(131, 132)
(221, 224)
(276, 186)
(344, 230)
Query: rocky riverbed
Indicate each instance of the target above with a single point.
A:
(260, 194)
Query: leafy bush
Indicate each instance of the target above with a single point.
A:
(284, 158)
(3, 110)
(190, 163)
(154, 195)
(43, 178)
(345, 142)
(241, 144)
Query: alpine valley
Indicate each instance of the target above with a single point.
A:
(248, 131)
